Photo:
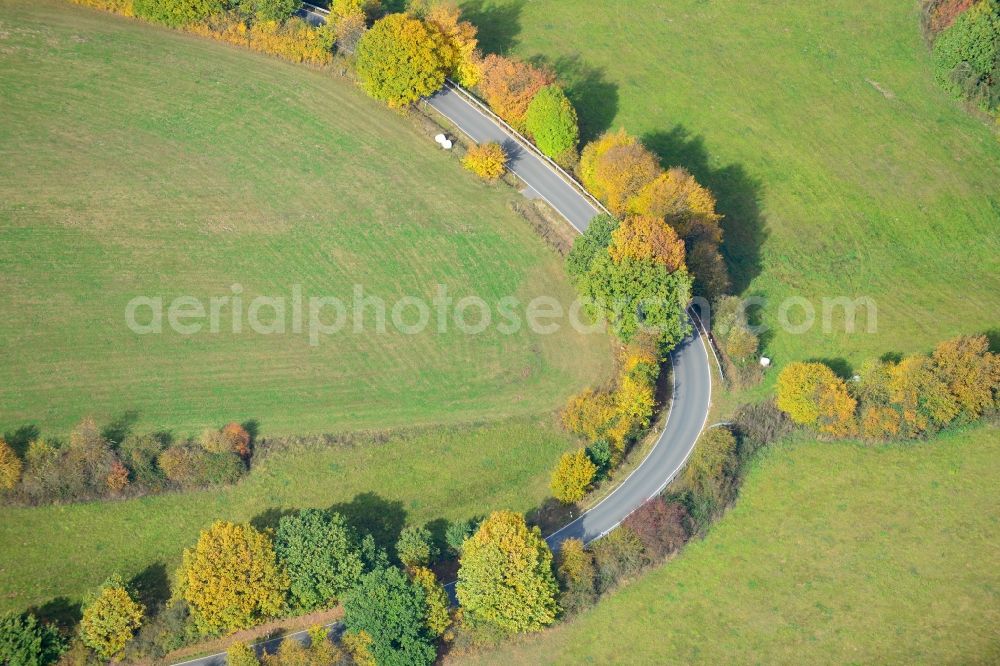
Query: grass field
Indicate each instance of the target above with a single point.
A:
(141, 161)
(834, 553)
(445, 472)
(841, 166)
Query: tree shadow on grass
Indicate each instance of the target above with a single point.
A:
(840, 366)
(20, 438)
(61, 611)
(370, 513)
(152, 586)
(738, 195)
(551, 515)
(121, 427)
(269, 518)
(499, 25)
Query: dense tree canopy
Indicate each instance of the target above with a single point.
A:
(811, 394)
(231, 578)
(27, 642)
(552, 123)
(110, 620)
(321, 554)
(505, 578)
(572, 477)
(459, 43)
(508, 86)
(391, 610)
(967, 55)
(399, 60)
(177, 13)
(616, 167)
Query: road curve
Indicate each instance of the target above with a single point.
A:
(692, 374)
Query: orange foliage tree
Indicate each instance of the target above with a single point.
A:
(459, 44)
(646, 237)
(509, 85)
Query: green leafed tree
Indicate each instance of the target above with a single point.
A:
(177, 13)
(399, 60)
(269, 10)
(390, 610)
(27, 642)
(506, 579)
(321, 554)
(551, 120)
(415, 547)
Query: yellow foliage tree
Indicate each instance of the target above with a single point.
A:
(616, 167)
(438, 613)
(572, 477)
(811, 394)
(971, 372)
(879, 423)
(589, 414)
(645, 237)
(460, 46)
(110, 620)
(10, 467)
(486, 160)
(399, 60)
(231, 578)
(923, 397)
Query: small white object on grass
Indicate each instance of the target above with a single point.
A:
(446, 144)
(765, 362)
(441, 138)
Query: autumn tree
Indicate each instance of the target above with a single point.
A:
(486, 160)
(321, 554)
(811, 394)
(970, 371)
(10, 467)
(508, 86)
(391, 610)
(551, 121)
(923, 397)
(590, 413)
(662, 527)
(231, 579)
(572, 477)
(110, 619)
(616, 167)
(459, 45)
(399, 60)
(577, 576)
(438, 604)
(879, 423)
(178, 13)
(241, 654)
(647, 238)
(505, 578)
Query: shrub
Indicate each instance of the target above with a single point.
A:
(110, 620)
(294, 39)
(879, 423)
(391, 611)
(415, 547)
(321, 554)
(971, 372)
(967, 55)
(661, 526)
(616, 167)
(231, 579)
(811, 394)
(123, 7)
(505, 578)
(577, 576)
(617, 556)
(939, 14)
(438, 604)
(349, 30)
(600, 454)
(118, 477)
(192, 466)
(572, 477)
(758, 425)
(399, 60)
(24, 641)
(139, 454)
(712, 465)
(167, 630)
(922, 396)
(486, 160)
(10, 467)
(589, 413)
(509, 85)
(551, 121)
(178, 13)
(232, 438)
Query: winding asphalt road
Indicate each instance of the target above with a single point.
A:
(692, 374)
